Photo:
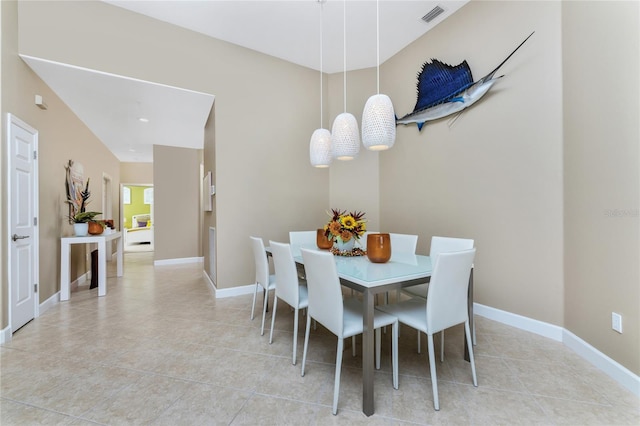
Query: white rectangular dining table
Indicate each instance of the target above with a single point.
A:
(360, 274)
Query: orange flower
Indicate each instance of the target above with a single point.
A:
(335, 228)
(345, 235)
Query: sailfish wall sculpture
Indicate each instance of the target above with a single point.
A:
(444, 90)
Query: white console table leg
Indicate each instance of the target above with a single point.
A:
(65, 265)
(102, 268)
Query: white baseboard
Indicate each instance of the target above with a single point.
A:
(518, 321)
(610, 367)
(49, 303)
(235, 291)
(179, 261)
(228, 292)
(5, 335)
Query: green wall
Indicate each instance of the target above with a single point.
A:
(137, 205)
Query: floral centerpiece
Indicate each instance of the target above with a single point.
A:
(345, 228)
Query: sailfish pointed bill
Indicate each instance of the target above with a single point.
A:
(444, 90)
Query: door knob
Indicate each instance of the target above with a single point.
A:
(19, 237)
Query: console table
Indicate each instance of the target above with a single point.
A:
(101, 241)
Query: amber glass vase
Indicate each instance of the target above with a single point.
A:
(95, 228)
(379, 248)
(322, 241)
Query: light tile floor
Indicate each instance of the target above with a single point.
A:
(160, 349)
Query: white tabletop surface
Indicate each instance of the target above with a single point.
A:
(360, 270)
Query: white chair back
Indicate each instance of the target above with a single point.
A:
(302, 238)
(261, 261)
(403, 243)
(325, 295)
(447, 294)
(448, 244)
(287, 284)
(363, 240)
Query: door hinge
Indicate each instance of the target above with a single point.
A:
(35, 287)
(35, 221)
(35, 155)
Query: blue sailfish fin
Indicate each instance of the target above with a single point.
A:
(439, 82)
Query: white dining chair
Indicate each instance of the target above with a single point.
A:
(263, 278)
(341, 317)
(362, 242)
(288, 288)
(439, 245)
(302, 238)
(401, 244)
(444, 307)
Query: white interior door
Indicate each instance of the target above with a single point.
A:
(23, 210)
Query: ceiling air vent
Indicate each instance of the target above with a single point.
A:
(433, 14)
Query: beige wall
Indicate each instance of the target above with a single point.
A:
(176, 202)
(496, 174)
(8, 47)
(62, 136)
(264, 117)
(140, 173)
(602, 175)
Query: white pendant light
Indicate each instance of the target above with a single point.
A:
(378, 117)
(345, 136)
(320, 152)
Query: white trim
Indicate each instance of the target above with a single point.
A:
(610, 367)
(5, 335)
(50, 302)
(178, 261)
(235, 291)
(228, 292)
(518, 321)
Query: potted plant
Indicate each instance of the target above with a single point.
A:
(78, 214)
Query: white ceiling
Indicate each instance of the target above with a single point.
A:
(111, 105)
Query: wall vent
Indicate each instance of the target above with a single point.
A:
(433, 14)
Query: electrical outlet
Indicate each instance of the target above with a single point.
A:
(616, 322)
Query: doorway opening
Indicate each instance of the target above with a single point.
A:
(137, 220)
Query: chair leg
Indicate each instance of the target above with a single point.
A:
(419, 350)
(295, 335)
(471, 358)
(306, 344)
(394, 353)
(442, 346)
(264, 310)
(253, 305)
(336, 385)
(353, 346)
(432, 366)
(273, 318)
(473, 333)
(378, 345)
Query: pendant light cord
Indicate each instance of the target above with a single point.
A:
(378, 42)
(321, 37)
(344, 50)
